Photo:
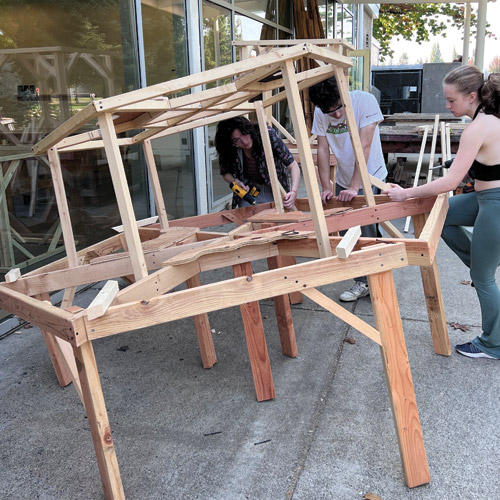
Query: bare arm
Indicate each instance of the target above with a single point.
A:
(231, 178)
(366, 137)
(470, 143)
(291, 196)
(323, 156)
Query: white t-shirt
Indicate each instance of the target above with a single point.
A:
(366, 111)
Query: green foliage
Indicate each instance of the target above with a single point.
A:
(417, 22)
(436, 54)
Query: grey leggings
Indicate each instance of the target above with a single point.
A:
(480, 252)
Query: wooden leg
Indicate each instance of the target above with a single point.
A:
(433, 299)
(399, 380)
(284, 316)
(203, 332)
(295, 297)
(99, 423)
(256, 342)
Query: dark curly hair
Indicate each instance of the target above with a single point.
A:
(325, 94)
(226, 151)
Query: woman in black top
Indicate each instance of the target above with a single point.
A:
(467, 94)
(242, 160)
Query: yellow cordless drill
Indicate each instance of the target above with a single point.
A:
(249, 196)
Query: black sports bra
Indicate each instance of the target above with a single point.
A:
(484, 172)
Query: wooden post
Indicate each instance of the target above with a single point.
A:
(306, 161)
(256, 341)
(417, 171)
(123, 195)
(354, 133)
(99, 423)
(155, 184)
(433, 148)
(284, 316)
(433, 298)
(399, 380)
(203, 331)
(295, 297)
(268, 151)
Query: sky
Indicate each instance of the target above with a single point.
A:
(452, 40)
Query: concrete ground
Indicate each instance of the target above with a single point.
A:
(186, 433)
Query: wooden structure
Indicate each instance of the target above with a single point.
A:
(157, 258)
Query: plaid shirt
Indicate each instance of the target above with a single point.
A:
(282, 159)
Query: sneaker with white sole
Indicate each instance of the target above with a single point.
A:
(471, 351)
(359, 289)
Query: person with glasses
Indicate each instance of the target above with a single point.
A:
(242, 161)
(330, 126)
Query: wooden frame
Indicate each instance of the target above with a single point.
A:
(161, 256)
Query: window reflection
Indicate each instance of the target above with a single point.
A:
(262, 8)
(55, 59)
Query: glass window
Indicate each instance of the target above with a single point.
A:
(262, 8)
(165, 51)
(55, 58)
(216, 35)
(165, 44)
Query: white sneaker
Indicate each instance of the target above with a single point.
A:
(359, 289)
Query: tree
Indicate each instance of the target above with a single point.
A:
(403, 60)
(417, 22)
(436, 54)
(494, 66)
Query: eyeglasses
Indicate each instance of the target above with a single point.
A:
(331, 111)
(238, 140)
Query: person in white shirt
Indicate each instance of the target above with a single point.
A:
(330, 126)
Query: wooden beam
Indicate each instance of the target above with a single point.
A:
(343, 314)
(13, 275)
(203, 331)
(304, 148)
(103, 300)
(122, 195)
(284, 315)
(347, 243)
(256, 341)
(99, 422)
(268, 152)
(399, 379)
(215, 296)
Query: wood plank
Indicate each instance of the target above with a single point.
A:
(203, 331)
(216, 296)
(273, 216)
(354, 134)
(433, 228)
(399, 379)
(13, 275)
(343, 314)
(155, 183)
(433, 298)
(140, 223)
(99, 423)
(69, 126)
(229, 246)
(45, 316)
(268, 152)
(256, 341)
(123, 195)
(302, 138)
(284, 315)
(290, 260)
(344, 219)
(103, 300)
(348, 241)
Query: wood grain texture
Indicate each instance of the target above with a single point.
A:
(399, 379)
(256, 341)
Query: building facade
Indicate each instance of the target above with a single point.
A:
(57, 56)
